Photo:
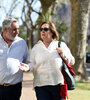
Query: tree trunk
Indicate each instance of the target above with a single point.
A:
(45, 4)
(79, 25)
(28, 38)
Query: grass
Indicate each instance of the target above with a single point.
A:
(82, 92)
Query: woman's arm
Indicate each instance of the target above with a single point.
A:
(65, 53)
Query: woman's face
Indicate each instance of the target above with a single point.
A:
(45, 32)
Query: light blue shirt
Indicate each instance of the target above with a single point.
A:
(10, 58)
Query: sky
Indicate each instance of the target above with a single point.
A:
(5, 6)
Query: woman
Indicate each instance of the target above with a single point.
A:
(46, 63)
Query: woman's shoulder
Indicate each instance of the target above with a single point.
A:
(37, 45)
(62, 44)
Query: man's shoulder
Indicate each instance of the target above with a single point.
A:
(20, 40)
(17, 38)
(0, 35)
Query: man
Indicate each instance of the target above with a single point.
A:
(13, 50)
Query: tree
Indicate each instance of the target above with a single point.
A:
(79, 25)
(8, 11)
(27, 19)
(45, 5)
(26, 8)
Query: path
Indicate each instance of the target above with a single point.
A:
(27, 89)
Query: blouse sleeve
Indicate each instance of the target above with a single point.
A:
(67, 53)
(32, 60)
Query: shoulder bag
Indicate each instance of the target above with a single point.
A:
(68, 73)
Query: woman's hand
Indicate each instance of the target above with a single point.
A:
(60, 51)
(24, 67)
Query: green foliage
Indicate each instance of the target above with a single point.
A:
(62, 29)
(22, 33)
(47, 16)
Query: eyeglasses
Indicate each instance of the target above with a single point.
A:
(14, 29)
(45, 29)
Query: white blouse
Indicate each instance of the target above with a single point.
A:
(46, 63)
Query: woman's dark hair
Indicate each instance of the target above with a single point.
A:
(52, 29)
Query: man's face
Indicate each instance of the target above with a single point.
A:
(13, 31)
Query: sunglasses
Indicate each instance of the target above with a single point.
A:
(45, 29)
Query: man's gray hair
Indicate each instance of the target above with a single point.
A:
(7, 22)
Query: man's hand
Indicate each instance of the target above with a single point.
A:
(24, 67)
